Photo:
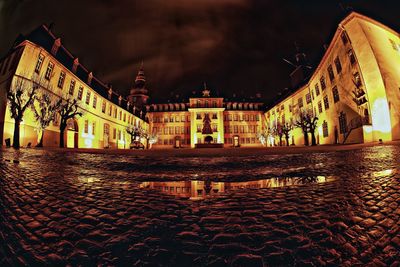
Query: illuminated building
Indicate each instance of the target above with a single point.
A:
(206, 120)
(41, 57)
(354, 91)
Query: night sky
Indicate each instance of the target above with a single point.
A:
(236, 46)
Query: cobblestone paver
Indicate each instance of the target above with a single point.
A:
(82, 209)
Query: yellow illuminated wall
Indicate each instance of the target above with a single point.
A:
(94, 120)
(376, 66)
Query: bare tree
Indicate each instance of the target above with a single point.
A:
(133, 131)
(20, 96)
(308, 123)
(301, 123)
(69, 109)
(279, 132)
(286, 128)
(45, 108)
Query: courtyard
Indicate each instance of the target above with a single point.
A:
(317, 207)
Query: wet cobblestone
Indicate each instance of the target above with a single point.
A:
(82, 209)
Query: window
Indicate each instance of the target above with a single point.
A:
(80, 92)
(198, 103)
(115, 112)
(317, 89)
(326, 102)
(335, 93)
(49, 70)
(93, 128)
(357, 79)
(87, 97)
(342, 122)
(338, 65)
(214, 104)
(290, 108)
(198, 128)
(114, 133)
(39, 63)
(124, 117)
(308, 98)
(214, 116)
(323, 84)
(352, 57)
(325, 132)
(235, 129)
(330, 73)
(61, 79)
(71, 87)
(86, 128)
(300, 102)
(394, 45)
(120, 115)
(177, 119)
(171, 119)
(282, 107)
(214, 128)
(206, 104)
(235, 117)
(319, 107)
(110, 111)
(198, 116)
(345, 40)
(229, 117)
(94, 101)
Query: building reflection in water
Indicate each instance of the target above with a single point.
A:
(197, 190)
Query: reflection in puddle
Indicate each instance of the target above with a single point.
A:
(196, 189)
(384, 173)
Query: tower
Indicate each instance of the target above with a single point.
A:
(139, 94)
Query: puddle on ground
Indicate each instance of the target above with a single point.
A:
(198, 190)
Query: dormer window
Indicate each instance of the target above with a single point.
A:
(110, 93)
(56, 46)
(75, 65)
(90, 77)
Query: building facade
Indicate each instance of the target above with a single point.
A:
(354, 91)
(39, 59)
(204, 120)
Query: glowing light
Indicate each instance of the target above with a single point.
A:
(88, 142)
(380, 115)
(384, 173)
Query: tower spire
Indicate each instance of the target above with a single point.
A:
(139, 94)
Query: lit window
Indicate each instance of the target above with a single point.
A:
(300, 102)
(323, 84)
(80, 92)
(330, 73)
(338, 65)
(86, 128)
(342, 122)
(351, 57)
(357, 79)
(317, 89)
(325, 132)
(94, 101)
(335, 93)
(61, 80)
(320, 107)
(326, 102)
(308, 98)
(394, 45)
(344, 38)
(49, 70)
(39, 63)
(71, 87)
(87, 97)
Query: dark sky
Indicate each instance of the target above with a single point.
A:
(233, 45)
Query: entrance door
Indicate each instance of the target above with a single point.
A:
(72, 134)
(236, 141)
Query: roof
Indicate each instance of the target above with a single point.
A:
(43, 37)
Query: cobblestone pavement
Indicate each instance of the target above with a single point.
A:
(60, 208)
